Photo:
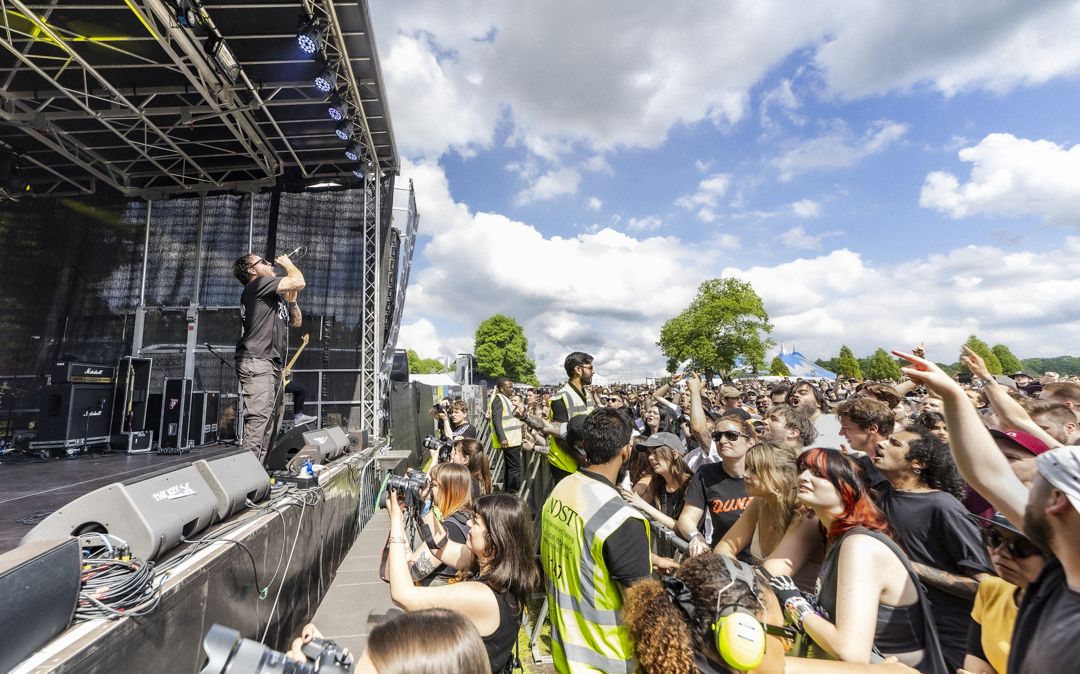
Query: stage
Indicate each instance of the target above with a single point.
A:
(31, 487)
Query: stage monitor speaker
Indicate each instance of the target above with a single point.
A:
(175, 417)
(340, 439)
(284, 449)
(358, 440)
(321, 438)
(73, 415)
(152, 514)
(234, 479)
(131, 393)
(204, 418)
(39, 582)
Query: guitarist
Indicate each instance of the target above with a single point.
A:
(267, 308)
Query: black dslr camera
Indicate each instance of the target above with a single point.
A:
(444, 447)
(227, 651)
(409, 488)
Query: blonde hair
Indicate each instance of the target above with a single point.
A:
(776, 470)
(455, 487)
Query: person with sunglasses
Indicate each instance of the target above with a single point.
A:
(1017, 563)
(268, 308)
(718, 487)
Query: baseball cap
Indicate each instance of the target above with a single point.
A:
(1061, 468)
(1005, 381)
(1024, 440)
(730, 392)
(663, 439)
(1021, 373)
(997, 520)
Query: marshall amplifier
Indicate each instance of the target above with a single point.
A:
(82, 373)
(204, 417)
(175, 417)
(73, 415)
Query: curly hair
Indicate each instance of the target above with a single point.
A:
(664, 638)
(939, 472)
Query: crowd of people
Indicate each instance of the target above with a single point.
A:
(925, 525)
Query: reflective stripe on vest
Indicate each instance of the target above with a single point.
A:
(558, 453)
(511, 424)
(585, 603)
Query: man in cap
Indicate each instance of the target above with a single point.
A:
(1047, 635)
(731, 401)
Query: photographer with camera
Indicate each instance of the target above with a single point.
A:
(499, 553)
(453, 418)
(449, 488)
(470, 453)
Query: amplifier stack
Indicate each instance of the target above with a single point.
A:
(76, 408)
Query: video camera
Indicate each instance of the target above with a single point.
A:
(444, 447)
(228, 652)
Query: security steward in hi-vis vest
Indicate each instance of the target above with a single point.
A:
(568, 402)
(592, 545)
(506, 432)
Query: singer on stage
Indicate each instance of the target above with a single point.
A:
(267, 308)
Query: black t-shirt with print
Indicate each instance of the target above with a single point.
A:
(265, 321)
(719, 494)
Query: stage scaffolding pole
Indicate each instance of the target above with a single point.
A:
(193, 305)
(140, 309)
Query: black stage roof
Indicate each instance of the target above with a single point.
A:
(125, 95)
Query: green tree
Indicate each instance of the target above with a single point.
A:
(882, 367)
(502, 350)
(1009, 362)
(847, 365)
(726, 321)
(779, 368)
(980, 347)
(418, 365)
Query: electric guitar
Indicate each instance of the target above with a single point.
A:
(286, 377)
(286, 374)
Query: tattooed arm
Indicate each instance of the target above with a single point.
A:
(959, 586)
(423, 564)
(295, 317)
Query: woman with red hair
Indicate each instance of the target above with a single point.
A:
(870, 603)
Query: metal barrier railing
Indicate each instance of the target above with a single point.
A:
(370, 481)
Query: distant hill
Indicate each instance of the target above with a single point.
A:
(1063, 365)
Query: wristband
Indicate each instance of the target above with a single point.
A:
(797, 609)
(396, 539)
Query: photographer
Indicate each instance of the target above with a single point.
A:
(470, 453)
(450, 488)
(498, 551)
(453, 418)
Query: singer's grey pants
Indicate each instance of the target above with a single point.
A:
(258, 382)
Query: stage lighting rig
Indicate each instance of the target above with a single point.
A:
(354, 150)
(338, 106)
(224, 58)
(326, 78)
(344, 130)
(189, 15)
(309, 34)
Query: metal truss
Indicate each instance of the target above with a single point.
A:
(148, 111)
(370, 335)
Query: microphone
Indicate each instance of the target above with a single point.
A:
(299, 251)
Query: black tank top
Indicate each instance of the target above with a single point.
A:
(500, 643)
(900, 629)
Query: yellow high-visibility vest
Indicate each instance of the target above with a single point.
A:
(511, 424)
(558, 450)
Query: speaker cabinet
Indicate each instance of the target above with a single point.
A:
(340, 439)
(285, 448)
(152, 514)
(175, 417)
(131, 393)
(204, 418)
(73, 415)
(234, 479)
(39, 582)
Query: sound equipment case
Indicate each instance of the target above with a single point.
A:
(173, 433)
(204, 417)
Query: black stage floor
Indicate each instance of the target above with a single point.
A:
(31, 487)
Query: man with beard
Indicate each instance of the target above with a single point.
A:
(808, 398)
(592, 546)
(1047, 635)
(572, 399)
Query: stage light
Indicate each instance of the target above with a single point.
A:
(360, 171)
(224, 58)
(326, 78)
(354, 151)
(339, 107)
(344, 130)
(309, 34)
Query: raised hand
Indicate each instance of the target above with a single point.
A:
(926, 373)
(975, 363)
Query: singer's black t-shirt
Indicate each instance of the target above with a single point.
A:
(265, 321)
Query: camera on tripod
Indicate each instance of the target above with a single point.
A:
(227, 651)
(444, 447)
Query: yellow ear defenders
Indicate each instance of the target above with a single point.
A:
(737, 633)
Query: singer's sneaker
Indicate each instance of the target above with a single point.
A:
(301, 419)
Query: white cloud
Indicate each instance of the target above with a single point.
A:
(646, 224)
(783, 99)
(838, 148)
(422, 337)
(594, 204)
(707, 197)
(799, 239)
(806, 208)
(1010, 177)
(599, 164)
(552, 184)
(881, 46)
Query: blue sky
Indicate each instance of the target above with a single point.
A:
(882, 173)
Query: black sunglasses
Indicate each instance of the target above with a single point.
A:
(259, 261)
(730, 436)
(1019, 548)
